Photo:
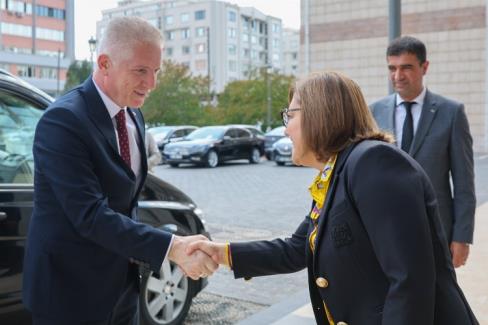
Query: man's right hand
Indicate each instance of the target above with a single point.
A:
(196, 265)
(217, 251)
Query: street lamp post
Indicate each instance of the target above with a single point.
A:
(92, 43)
(268, 97)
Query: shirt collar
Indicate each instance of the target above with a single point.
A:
(418, 100)
(111, 106)
(320, 184)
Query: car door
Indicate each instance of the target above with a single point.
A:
(243, 143)
(228, 145)
(19, 113)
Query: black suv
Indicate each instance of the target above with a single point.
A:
(161, 205)
(211, 145)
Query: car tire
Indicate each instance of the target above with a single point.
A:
(255, 156)
(165, 297)
(212, 159)
(280, 163)
(173, 164)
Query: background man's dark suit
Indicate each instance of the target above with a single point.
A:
(81, 238)
(380, 246)
(442, 145)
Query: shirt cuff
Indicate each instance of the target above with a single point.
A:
(169, 248)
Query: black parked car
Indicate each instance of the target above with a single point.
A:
(161, 205)
(270, 138)
(170, 133)
(211, 145)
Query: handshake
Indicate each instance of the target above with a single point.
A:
(197, 256)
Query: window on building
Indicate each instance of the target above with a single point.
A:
(232, 66)
(276, 57)
(200, 31)
(200, 65)
(200, 48)
(168, 51)
(16, 29)
(231, 32)
(49, 34)
(294, 55)
(254, 54)
(169, 35)
(276, 43)
(254, 39)
(185, 33)
(168, 20)
(50, 12)
(232, 49)
(276, 28)
(5, 66)
(200, 15)
(48, 73)
(232, 16)
(25, 71)
(245, 38)
(246, 53)
(185, 49)
(185, 17)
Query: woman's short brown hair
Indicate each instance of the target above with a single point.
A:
(334, 114)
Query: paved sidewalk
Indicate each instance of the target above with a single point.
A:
(473, 279)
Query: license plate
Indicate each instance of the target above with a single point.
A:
(176, 156)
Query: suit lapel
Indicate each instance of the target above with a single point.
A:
(136, 116)
(339, 165)
(429, 111)
(385, 114)
(98, 114)
(100, 117)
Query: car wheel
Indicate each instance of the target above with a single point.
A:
(280, 163)
(212, 159)
(255, 156)
(173, 164)
(165, 296)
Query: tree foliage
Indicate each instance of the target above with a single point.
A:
(181, 98)
(178, 97)
(78, 71)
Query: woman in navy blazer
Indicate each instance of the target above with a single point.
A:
(373, 244)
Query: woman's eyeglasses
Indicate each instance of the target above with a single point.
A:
(284, 114)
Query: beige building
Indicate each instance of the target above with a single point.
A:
(352, 35)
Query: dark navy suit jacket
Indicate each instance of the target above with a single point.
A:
(380, 245)
(83, 230)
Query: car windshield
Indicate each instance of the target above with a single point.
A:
(160, 131)
(277, 131)
(206, 133)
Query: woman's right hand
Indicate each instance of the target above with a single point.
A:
(217, 251)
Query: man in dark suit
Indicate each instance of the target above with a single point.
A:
(434, 130)
(84, 243)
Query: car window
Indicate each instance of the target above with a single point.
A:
(18, 120)
(231, 133)
(178, 133)
(242, 133)
(206, 133)
(188, 131)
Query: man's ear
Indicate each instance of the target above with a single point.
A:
(425, 67)
(103, 62)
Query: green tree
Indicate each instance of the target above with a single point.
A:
(178, 97)
(245, 101)
(78, 71)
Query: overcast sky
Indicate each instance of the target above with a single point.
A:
(87, 13)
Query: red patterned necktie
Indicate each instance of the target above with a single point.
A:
(123, 137)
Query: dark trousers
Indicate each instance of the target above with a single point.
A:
(125, 312)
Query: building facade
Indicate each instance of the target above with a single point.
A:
(214, 38)
(37, 41)
(352, 35)
(291, 49)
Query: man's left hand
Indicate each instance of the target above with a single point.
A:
(460, 253)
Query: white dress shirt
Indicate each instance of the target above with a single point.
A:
(134, 141)
(401, 113)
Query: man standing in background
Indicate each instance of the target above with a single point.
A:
(434, 130)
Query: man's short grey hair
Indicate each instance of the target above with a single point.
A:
(123, 34)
